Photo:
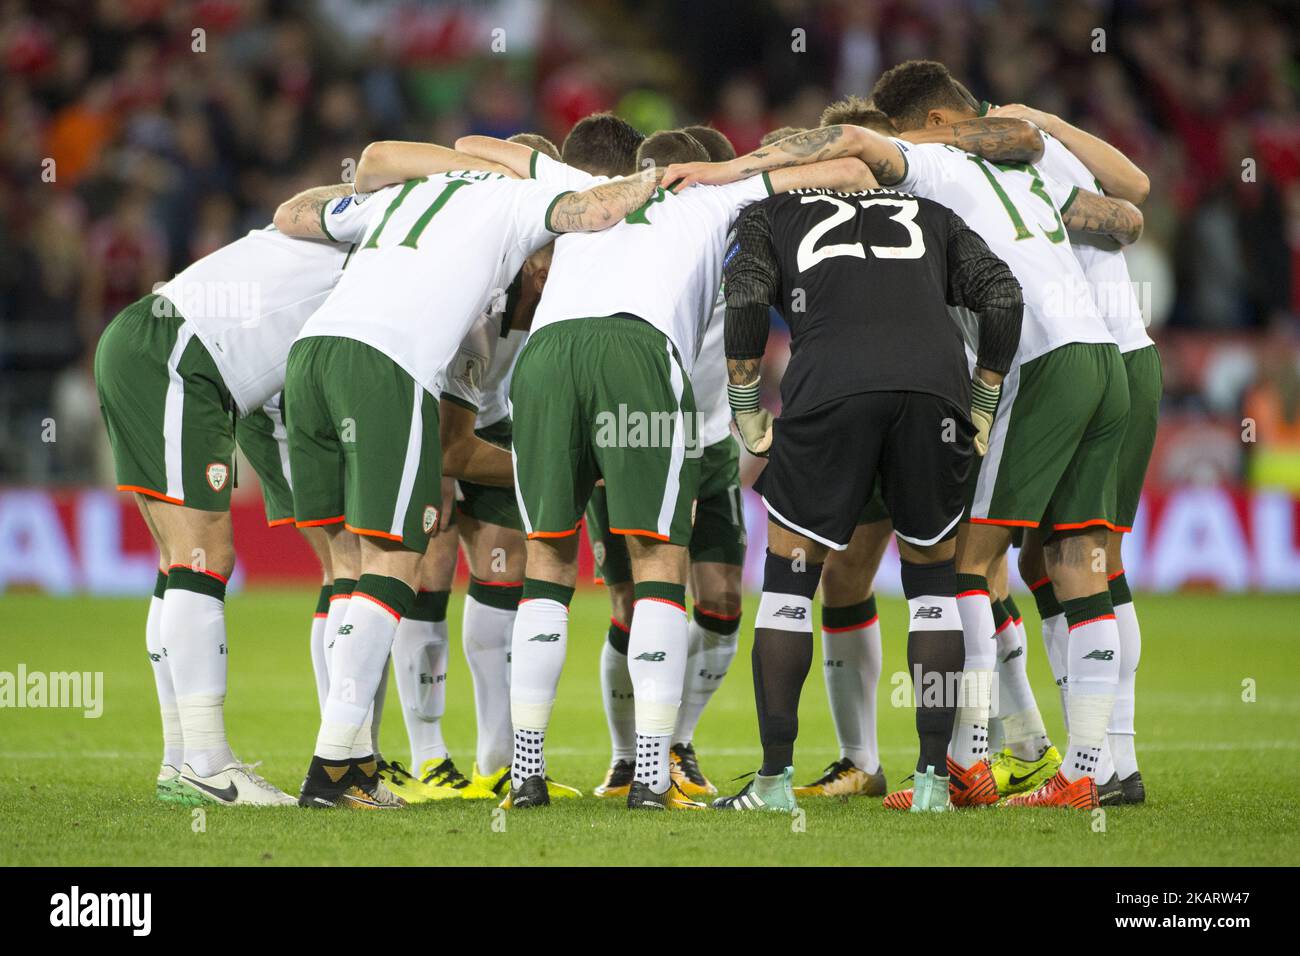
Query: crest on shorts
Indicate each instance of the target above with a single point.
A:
(598, 551)
(430, 520)
(218, 474)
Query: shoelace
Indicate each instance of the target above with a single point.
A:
(446, 774)
(690, 764)
(399, 770)
(833, 771)
(250, 771)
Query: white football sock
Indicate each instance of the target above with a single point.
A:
(420, 660)
(851, 659)
(333, 621)
(1093, 672)
(1122, 732)
(620, 703)
(194, 633)
(173, 738)
(537, 648)
(367, 742)
(709, 655)
(485, 635)
(319, 665)
(970, 738)
(359, 657)
(1022, 725)
(656, 662)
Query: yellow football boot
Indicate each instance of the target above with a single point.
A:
(843, 779)
(445, 782)
(686, 773)
(1013, 775)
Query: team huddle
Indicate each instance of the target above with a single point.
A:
(480, 349)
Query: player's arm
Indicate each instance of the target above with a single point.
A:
(301, 216)
(979, 280)
(1004, 139)
(1118, 175)
(883, 157)
(387, 162)
(514, 156)
(843, 175)
(751, 278)
(464, 454)
(1103, 216)
(604, 204)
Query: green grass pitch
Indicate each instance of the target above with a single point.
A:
(1221, 771)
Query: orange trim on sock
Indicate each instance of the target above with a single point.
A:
(637, 532)
(715, 615)
(496, 584)
(679, 607)
(371, 533)
(620, 625)
(1039, 583)
(317, 522)
(1112, 577)
(973, 593)
(1005, 522)
(211, 574)
(321, 616)
(340, 597)
(375, 600)
(151, 493)
(1006, 624)
(1094, 620)
(851, 627)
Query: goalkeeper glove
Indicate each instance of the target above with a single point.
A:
(753, 421)
(983, 404)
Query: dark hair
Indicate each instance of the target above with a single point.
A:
(715, 144)
(670, 146)
(603, 145)
(854, 111)
(909, 91)
(780, 133)
(538, 142)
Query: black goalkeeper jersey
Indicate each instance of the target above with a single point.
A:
(864, 281)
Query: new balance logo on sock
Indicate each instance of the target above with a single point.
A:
(655, 656)
(344, 629)
(795, 613)
(928, 614)
(545, 638)
(1099, 655)
(1013, 655)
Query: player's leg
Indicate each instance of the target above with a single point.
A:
(1033, 569)
(554, 475)
(319, 542)
(351, 402)
(1022, 755)
(851, 657)
(614, 568)
(495, 551)
(420, 667)
(717, 553)
(1077, 520)
(1123, 784)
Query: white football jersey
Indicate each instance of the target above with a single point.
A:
(663, 263)
(709, 378)
(431, 254)
(478, 376)
(1102, 258)
(248, 301)
(1016, 210)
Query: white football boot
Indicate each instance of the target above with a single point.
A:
(235, 784)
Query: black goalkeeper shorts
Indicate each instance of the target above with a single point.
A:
(824, 463)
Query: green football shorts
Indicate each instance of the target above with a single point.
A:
(1055, 442)
(363, 442)
(1145, 385)
(486, 503)
(169, 416)
(265, 443)
(604, 398)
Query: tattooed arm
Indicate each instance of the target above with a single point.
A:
(300, 216)
(883, 158)
(1118, 175)
(603, 204)
(387, 162)
(1103, 216)
(999, 138)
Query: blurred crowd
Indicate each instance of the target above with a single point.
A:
(138, 135)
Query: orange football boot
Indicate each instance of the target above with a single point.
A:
(967, 787)
(1079, 794)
